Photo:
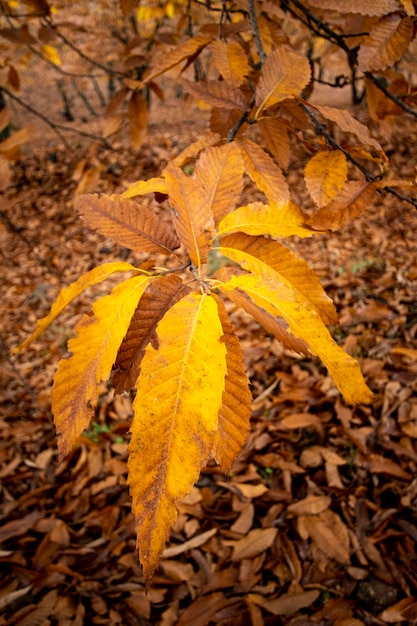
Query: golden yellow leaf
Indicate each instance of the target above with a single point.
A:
(217, 93)
(325, 175)
(231, 61)
(235, 411)
(386, 43)
(278, 79)
(169, 57)
(93, 352)
(266, 175)
(288, 265)
(194, 218)
(275, 133)
(51, 54)
(142, 187)
(138, 118)
(159, 296)
(220, 171)
(277, 295)
(128, 223)
(178, 398)
(277, 219)
(355, 198)
(272, 325)
(68, 294)
(363, 7)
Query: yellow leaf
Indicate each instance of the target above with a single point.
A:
(276, 294)
(231, 61)
(194, 218)
(277, 219)
(279, 81)
(291, 267)
(386, 43)
(234, 414)
(266, 175)
(93, 352)
(325, 175)
(142, 187)
(178, 398)
(68, 294)
(129, 224)
(220, 171)
(51, 54)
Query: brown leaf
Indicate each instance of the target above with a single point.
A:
(194, 542)
(355, 198)
(275, 133)
(256, 541)
(386, 43)
(161, 294)
(363, 7)
(290, 603)
(138, 117)
(217, 94)
(264, 172)
(128, 223)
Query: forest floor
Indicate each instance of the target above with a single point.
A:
(316, 524)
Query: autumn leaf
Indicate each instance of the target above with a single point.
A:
(275, 293)
(93, 351)
(235, 411)
(363, 7)
(142, 187)
(278, 219)
(219, 172)
(169, 57)
(194, 219)
(278, 80)
(325, 175)
(129, 224)
(231, 61)
(386, 43)
(264, 172)
(217, 94)
(275, 133)
(157, 299)
(346, 122)
(179, 395)
(138, 117)
(68, 294)
(355, 198)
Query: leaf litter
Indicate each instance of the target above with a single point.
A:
(316, 522)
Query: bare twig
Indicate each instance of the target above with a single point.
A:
(255, 30)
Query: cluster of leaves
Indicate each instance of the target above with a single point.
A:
(166, 332)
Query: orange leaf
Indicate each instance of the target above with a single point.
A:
(219, 171)
(325, 175)
(236, 410)
(129, 224)
(355, 198)
(194, 218)
(93, 352)
(217, 94)
(142, 187)
(192, 150)
(278, 79)
(386, 43)
(349, 124)
(231, 61)
(275, 133)
(169, 57)
(363, 7)
(138, 117)
(264, 172)
(178, 398)
(159, 296)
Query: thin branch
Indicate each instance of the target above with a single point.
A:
(378, 82)
(255, 30)
(57, 68)
(57, 128)
(399, 195)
